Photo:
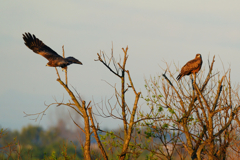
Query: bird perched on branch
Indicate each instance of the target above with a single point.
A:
(55, 60)
(190, 67)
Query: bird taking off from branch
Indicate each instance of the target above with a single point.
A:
(190, 67)
(55, 60)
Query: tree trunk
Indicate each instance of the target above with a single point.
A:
(87, 155)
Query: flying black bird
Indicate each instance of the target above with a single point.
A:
(55, 60)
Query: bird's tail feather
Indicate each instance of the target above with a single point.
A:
(73, 60)
(179, 77)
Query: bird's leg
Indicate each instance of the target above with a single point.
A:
(63, 68)
(195, 79)
(192, 79)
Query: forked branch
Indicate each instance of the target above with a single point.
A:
(96, 134)
(108, 64)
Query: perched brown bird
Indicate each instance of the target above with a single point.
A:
(192, 66)
(55, 60)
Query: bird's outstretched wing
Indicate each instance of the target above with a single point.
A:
(39, 47)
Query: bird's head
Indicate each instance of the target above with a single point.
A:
(198, 55)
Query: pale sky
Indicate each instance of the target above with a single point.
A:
(174, 31)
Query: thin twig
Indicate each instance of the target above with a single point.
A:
(57, 73)
(65, 69)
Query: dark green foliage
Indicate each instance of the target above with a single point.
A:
(33, 142)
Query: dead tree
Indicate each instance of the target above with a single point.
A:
(79, 106)
(127, 115)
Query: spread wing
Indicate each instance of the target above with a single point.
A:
(39, 47)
